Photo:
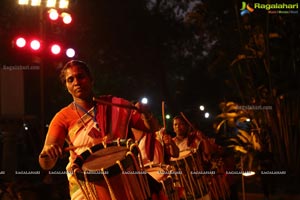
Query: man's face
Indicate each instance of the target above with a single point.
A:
(78, 83)
(180, 128)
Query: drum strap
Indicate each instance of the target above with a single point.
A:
(91, 188)
(88, 113)
(142, 178)
(112, 194)
(127, 184)
(81, 184)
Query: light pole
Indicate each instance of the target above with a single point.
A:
(61, 4)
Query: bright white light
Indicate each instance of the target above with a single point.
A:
(67, 19)
(23, 2)
(63, 4)
(35, 44)
(55, 49)
(206, 115)
(168, 116)
(25, 127)
(144, 100)
(70, 52)
(35, 2)
(201, 107)
(248, 120)
(53, 14)
(21, 42)
(51, 3)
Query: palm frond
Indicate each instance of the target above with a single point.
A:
(240, 149)
(227, 115)
(244, 136)
(219, 125)
(255, 142)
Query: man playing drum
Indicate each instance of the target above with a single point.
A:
(193, 153)
(187, 139)
(86, 122)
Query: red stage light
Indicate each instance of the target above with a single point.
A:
(20, 42)
(35, 45)
(55, 49)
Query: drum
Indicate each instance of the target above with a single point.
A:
(190, 174)
(112, 171)
(218, 186)
(162, 176)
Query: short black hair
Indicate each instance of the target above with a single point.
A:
(179, 117)
(71, 63)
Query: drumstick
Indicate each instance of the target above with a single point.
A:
(163, 114)
(71, 148)
(163, 119)
(164, 123)
(66, 149)
(187, 121)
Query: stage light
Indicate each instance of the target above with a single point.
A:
(35, 2)
(20, 42)
(67, 19)
(23, 2)
(35, 45)
(51, 3)
(63, 4)
(70, 52)
(55, 49)
(53, 14)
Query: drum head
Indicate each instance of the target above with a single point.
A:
(104, 158)
(182, 155)
(156, 172)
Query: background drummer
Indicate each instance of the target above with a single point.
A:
(188, 138)
(86, 122)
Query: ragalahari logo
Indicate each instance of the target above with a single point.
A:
(246, 8)
(271, 8)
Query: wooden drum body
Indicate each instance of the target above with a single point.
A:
(189, 168)
(111, 171)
